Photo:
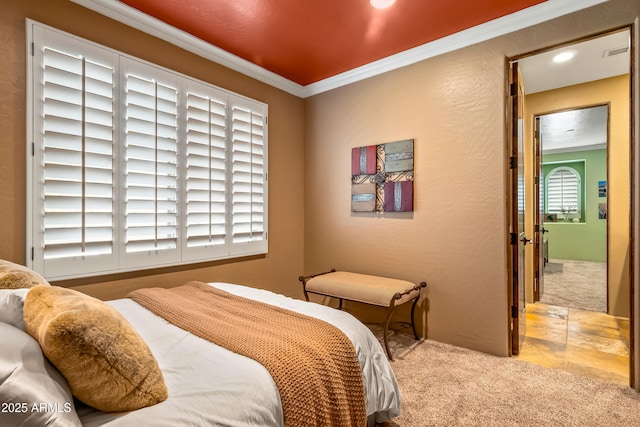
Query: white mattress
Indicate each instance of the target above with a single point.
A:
(209, 385)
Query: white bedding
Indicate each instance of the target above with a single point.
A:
(209, 385)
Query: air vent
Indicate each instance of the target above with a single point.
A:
(617, 51)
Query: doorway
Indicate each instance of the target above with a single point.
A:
(572, 202)
(555, 87)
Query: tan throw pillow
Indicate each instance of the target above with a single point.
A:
(104, 360)
(15, 276)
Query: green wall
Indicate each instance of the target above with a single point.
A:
(585, 240)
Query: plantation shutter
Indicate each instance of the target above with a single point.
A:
(151, 165)
(74, 145)
(133, 166)
(563, 190)
(206, 165)
(248, 174)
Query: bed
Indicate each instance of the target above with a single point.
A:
(208, 384)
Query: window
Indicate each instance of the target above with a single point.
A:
(563, 192)
(134, 166)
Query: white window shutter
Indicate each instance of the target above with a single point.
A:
(150, 166)
(74, 146)
(205, 207)
(249, 177)
(133, 166)
(563, 190)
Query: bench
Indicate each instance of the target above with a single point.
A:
(363, 288)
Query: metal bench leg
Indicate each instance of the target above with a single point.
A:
(385, 334)
(413, 322)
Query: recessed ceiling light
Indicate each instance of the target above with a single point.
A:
(564, 56)
(382, 4)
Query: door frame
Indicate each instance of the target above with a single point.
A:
(634, 174)
(538, 221)
(539, 230)
(517, 203)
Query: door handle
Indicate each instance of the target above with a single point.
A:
(524, 240)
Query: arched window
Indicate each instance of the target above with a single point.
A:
(563, 191)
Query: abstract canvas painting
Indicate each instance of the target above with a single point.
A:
(382, 177)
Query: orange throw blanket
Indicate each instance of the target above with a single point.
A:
(313, 364)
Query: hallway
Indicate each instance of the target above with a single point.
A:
(579, 341)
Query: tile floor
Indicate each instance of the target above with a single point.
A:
(583, 342)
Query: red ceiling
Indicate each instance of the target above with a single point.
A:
(309, 40)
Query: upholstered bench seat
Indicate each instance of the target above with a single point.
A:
(361, 288)
(374, 290)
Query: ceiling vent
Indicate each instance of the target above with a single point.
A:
(617, 51)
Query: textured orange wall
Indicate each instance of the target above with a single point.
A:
(281, 266)
(454, 107)
(455, 237)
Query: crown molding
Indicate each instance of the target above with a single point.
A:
(534, 15)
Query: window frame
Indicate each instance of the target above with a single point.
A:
(563, 167)
(38, 35)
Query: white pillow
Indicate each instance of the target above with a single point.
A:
(32, 391)
(11, 305)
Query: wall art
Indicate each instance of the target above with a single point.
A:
(382, 177)
(602, 188)
(602, 210)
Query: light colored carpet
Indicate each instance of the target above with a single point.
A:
(443, 385)
(576, 284)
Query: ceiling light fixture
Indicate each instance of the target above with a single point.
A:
(382, 4)
(563, 57)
